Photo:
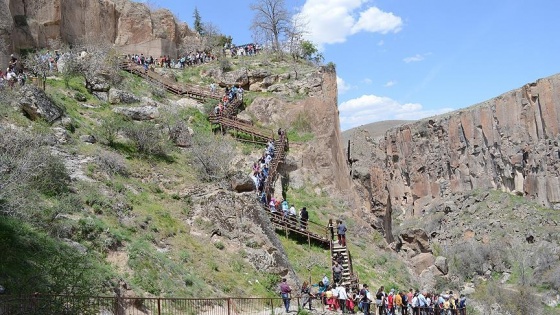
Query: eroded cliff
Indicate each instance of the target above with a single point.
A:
(128, 25)
(508, 143)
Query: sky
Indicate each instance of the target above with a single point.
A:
(410, 59)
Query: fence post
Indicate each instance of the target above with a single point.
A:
(272, 305)
(229, 306)
(159, 306)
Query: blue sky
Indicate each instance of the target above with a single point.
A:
(410, 59)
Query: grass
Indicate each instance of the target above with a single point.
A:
(147, 214)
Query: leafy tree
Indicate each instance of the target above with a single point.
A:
(271, 21)
(308, 49)
(198, 22)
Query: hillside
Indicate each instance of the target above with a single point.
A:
(130, 179)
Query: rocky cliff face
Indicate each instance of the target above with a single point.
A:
(321, 161)
(508, 143)
(130, 25)
(434, 185)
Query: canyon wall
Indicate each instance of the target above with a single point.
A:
(509, 143)
(129, 25)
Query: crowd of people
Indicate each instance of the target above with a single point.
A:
(14, 75)
(280, 208)
(235, 93)
(337, 297)
(243, 50)
(188, 59)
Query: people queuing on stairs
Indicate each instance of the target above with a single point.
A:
(230, 96)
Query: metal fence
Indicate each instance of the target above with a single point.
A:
(74, 305)
(39, 304)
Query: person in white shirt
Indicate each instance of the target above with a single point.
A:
(342, 297)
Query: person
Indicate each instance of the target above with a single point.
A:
(398, 303)
(306, 295)
(337, 272)
(390, 305)
(293, 213)
(422, 302)
(365, 300)
(285, 291)
(285, 207)
(341, 232)
(321, 291)
(342, 297)
(415, 304)
(330, 226)
(462, 305)
(325, 280)
(304, 217)
(272, 204)
(380, 299)
(409, 297)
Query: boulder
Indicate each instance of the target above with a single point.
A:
(37, 105)
(121, 97)
(238, 77)
(102, 96)
(415, 240)
(242, 183)
(138, 113)
(88, 139)
(99, 83)
(422, 262)
(441, 264)
(181, 135)
(189, 103)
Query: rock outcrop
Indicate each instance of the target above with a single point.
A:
(37, 105)
(320, 161)
(510, 143)
(455, 176)
(123, 23)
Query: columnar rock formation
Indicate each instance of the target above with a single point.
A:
(509, 143)
(129, 25)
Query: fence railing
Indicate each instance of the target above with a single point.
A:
(39, 304)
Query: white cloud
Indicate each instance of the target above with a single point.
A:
(376, 21)
(371, 108)
(414, 58)
(367, 81)
(332, 21)
(343, 87)
(380, 43)
(390, 83)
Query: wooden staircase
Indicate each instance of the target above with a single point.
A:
(181, 89)
(348, 277)
(313, 232)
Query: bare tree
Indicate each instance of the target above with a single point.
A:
(98, 61)
(271, 20)
(213, 39)
(40, 66)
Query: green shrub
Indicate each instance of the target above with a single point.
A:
(147, 138)
(225, 65)
(111, 163)
(219, 245)
(110, 128)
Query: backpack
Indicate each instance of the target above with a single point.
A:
(404, 299)
(462, 303)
